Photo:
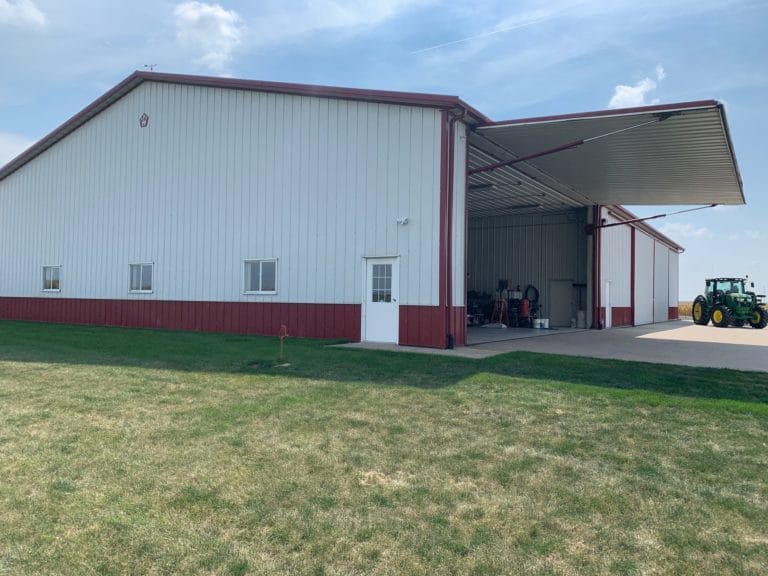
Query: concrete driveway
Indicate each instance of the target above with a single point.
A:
(679, 342)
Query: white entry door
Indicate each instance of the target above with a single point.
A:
(381, 313)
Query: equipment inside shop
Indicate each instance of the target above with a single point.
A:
(512, 306)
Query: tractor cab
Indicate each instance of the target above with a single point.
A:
(719, 289)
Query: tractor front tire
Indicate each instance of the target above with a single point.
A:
(721, 316)
(759, 318)
(699, 311)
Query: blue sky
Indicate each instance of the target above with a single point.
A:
(509, 59)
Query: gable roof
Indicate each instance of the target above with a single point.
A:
(440, 101)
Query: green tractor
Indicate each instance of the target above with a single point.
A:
(727, 303)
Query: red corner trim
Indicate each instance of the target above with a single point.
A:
(632, 274)
(444, 217)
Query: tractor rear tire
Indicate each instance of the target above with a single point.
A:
(759, 318)
(721, 316)
(699, 311)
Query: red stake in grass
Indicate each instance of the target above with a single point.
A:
(283, 334)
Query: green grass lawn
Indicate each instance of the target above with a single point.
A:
(140, 452)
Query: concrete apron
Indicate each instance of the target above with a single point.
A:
(678, 342)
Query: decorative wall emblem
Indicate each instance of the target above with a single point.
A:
(144, 120)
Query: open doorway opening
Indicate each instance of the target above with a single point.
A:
(528, 250)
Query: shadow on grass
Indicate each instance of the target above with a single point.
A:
(313, 359)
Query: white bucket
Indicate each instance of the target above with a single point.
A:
(537, 322)
(544, 323)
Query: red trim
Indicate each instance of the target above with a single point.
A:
(422, 326)
(632, 273)
(449, 233)
(450, 323)
(443, 206)
(444, 255)
(607, 113)
(620, 316)
(653, 292)
(447, 176)
(597, 214)
(362, 94)
(303, 320)
(463, 324)
(137, 78)
(673, 313)
(459, 325)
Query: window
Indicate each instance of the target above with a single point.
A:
(141, 277)
(261, 276)
(382, 283)
(51, 278)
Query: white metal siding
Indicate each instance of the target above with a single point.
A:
(527, 249)
(616, 262)
(661, 283)
(220, 176)
(674, 279)
(644, 284)
(459, 216)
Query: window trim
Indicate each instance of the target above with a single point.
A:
(58, 266)
(386, 292)
(245, 276)
(142, 264)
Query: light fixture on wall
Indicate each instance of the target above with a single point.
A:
(403, 220)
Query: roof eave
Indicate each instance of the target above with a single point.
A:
(729, 141)
(360, 94)
(94, 108)
(605, 113)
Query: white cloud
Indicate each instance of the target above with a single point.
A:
(21, 13)
(209, 30)
(632, 96)
(683, 230)
(11, 145)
